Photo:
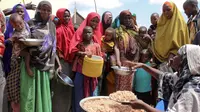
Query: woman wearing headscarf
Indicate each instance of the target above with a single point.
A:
(21, 10)
(181, 89)
(35, 91)
(62, 97)
(127, 48)
(171, 33)
(106, 20)
(2, 48)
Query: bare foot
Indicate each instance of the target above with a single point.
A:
(30, 72)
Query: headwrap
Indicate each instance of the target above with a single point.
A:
(190, 70)
(97, 33)
(8, 34)
(134, 19)
(43, 57)
(116, 22)
(64, 33)
(134, 15)
(168, 4)
(193, 2)
(171, 34)
(38, 17)
(105, 17)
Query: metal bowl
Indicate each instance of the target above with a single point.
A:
(123, 70)
(64, 79)
(32, 42)
(81, 103)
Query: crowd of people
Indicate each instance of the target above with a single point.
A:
(165, 56)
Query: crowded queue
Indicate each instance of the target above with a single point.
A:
(165, 57)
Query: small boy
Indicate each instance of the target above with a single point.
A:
(84, 86)
(108, 49)
(152, 28)
(146, 39)
(142, 79)
(19, 49)
(108, 41)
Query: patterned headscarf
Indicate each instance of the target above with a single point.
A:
(2, 22)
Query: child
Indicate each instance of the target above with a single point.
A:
(108, 50)
(18, 49)
(142, 79)
(108, 41)
(152, 28)
(84, 86)
(146, 39)
(20, 32)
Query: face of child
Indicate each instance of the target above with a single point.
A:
(56, 20)
(94, 22)
(150, 31)
(108, 35)
(145, 57)
(87, 34)
(142, 32)
(18, 24)
(154, 19)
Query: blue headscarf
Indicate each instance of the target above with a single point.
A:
(116, 22)
(8, 34)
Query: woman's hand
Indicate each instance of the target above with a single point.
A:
(133, 65)
(119, 64)
(59, 68)
(137, 104)
(89, 54)
(30, 6)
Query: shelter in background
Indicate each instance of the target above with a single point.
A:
(77, 19)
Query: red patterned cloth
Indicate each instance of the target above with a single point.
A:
(124, 82)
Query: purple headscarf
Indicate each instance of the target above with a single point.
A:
(8, 34)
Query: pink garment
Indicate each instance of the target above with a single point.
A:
(15, 107)
(77, 38)
(78, 63)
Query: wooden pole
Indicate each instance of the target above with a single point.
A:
(95, 5)
(75, 11)
(23, 2)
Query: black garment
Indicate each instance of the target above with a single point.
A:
(196, 40)
(145, 97)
